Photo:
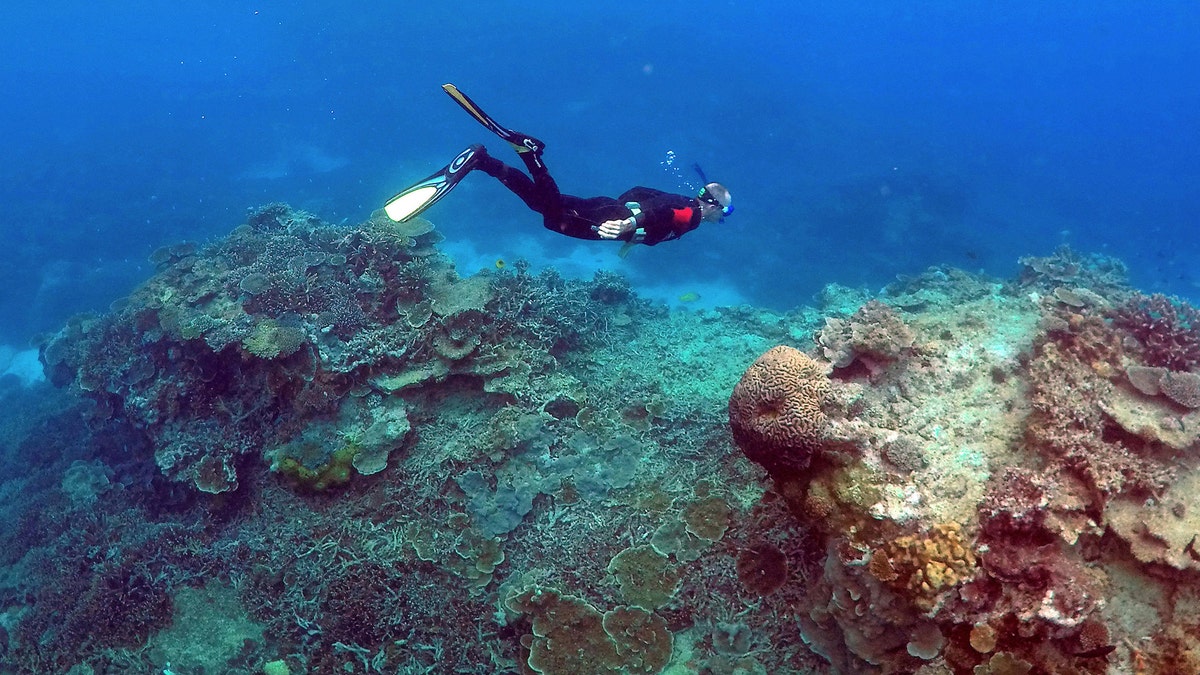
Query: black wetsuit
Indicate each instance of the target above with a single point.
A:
(661, 216)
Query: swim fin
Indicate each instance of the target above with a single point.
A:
(412, 201)
(520, 142)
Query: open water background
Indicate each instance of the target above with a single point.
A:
(861, 140)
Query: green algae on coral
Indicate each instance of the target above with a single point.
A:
(336, 471)
(272, 339)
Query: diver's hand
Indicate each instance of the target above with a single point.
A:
(611, 229)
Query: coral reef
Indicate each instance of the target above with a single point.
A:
(1167, 329)
(316, 449)
(875, 336)
(245, 342)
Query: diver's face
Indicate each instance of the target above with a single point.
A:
(710, 213)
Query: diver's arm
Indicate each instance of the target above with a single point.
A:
(665, 218)
(613, 229)
(656, 219)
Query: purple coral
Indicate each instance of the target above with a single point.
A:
(1167, 328)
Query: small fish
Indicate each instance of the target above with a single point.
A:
(1190, 549)
(500, 263)
(689, 297)
(1095, 653)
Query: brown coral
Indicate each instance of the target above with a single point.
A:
(571, 636)
(762, 569)
(707, 518)
(647, 577)
(775, 410)
(1182, 388)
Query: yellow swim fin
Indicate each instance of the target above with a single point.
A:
(411, 201)
(519, 141)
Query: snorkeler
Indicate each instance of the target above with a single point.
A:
(639, 216)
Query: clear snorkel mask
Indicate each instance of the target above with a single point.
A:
(708, 197)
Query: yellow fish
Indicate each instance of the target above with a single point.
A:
(689, 297)
(499, 264)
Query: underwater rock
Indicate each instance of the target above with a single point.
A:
(1162, 530)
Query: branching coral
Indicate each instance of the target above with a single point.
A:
(1168, 329)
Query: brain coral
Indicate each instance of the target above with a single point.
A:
(775, 410)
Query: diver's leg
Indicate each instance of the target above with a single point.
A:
(533, 193)
(545, 183)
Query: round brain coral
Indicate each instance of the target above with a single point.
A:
(775, 410)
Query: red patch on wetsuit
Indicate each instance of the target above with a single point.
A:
(683, 217)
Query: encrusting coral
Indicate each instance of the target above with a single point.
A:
(925, 565)
(569, 636)
(874, 335)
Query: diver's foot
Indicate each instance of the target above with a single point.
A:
(414, 200)
(523, 144)
(467, 159)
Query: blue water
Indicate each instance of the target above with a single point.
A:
(861, 140)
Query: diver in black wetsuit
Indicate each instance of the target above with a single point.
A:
(641, 215)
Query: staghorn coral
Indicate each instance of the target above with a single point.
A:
(775, 410)
(359, 605)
